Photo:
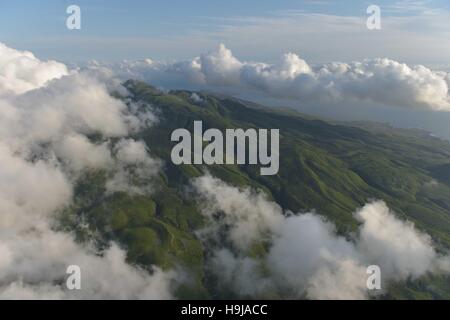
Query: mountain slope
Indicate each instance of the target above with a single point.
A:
(330, 168)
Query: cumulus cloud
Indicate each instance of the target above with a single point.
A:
(247, 213)
(133, 164)
(305, 256)
(79, 153)
(54, 126)
(399, 249)
(33, 266)
(196, 98)
(377, 81)
(21, 71)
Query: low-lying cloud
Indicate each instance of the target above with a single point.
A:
(55, 125)
(306, 257)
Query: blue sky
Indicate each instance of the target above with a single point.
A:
(319, 31)
(178, 29)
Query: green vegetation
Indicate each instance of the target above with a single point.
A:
(332, 168)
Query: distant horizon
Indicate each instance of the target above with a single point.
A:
(195, 180)
(318, 31)
(379, 90)
(273, 53)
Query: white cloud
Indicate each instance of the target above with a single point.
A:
(21, 71)
(343, 279)
(45, 129)
(132, 163)
(306, 258)
(377, 81)
(248, 214)
(398, 248)
(79, 153)
(29, 191)
(220, 67)
(196, 98)
(36, 263)
(44, 143)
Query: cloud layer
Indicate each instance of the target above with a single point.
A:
(376, 81)
(305, 256)
(56, 124)
(48, 117)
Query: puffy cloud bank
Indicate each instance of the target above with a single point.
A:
(48, 118)
(56, 124)
(21, 71)
(305, 256)
(378, 81)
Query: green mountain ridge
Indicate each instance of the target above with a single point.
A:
(331, 168)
